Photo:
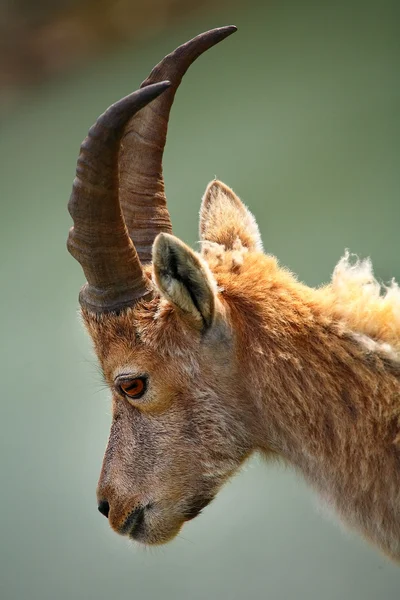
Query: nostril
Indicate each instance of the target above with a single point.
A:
(104, 508)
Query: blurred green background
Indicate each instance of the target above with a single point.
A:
(299, 113)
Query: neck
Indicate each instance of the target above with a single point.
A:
(326, 403)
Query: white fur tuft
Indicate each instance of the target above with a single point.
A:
(367, 306)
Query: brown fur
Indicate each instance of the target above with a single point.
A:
(241, 357)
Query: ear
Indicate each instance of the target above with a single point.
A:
(184, 279)
(224, 219)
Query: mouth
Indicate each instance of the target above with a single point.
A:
(156, 528)
(134, 523)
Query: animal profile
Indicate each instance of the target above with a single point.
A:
(212, 356)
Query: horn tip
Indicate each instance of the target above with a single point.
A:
(163, 85)
(151, 92)
(231, 28)
(225, 31)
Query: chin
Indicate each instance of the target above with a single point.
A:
(150, 534)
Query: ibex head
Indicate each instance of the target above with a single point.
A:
(213, 355)
(162, 329)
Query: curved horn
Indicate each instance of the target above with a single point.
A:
(142, 193)
(99, 239)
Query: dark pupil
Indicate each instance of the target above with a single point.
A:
(133, 387)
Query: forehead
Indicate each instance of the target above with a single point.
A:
(147, 334)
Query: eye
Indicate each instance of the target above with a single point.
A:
(133, 388)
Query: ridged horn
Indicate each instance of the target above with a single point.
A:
(99, 239)
(142, 194)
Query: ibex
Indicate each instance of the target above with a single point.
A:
(215, 355)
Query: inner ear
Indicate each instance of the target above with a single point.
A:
(184, 279)
(225, 220)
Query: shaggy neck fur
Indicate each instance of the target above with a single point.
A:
(329, 396)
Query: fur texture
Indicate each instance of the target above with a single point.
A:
(368, 307)
(241, 357)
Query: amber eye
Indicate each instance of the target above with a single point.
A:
(133, 388)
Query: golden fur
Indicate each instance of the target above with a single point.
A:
(241, 357)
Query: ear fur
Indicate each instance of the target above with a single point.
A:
(184, 279)
(225, 220)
